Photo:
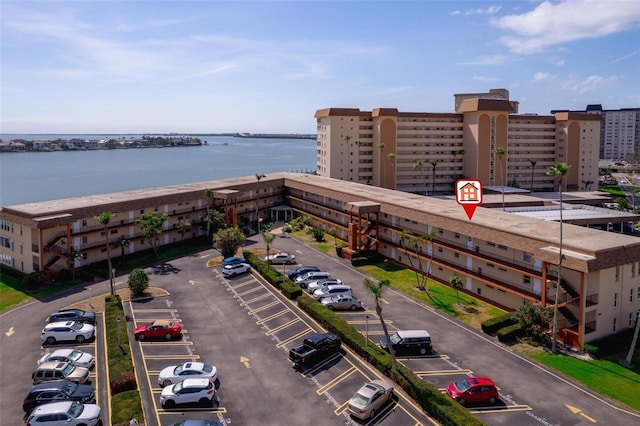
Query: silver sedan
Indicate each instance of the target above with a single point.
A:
(342, 303)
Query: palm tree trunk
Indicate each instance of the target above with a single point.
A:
(392, 352)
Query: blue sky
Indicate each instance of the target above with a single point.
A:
(267, 66)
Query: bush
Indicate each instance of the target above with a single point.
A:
(138, 282)
(491, 326)
(510, 333)
(318, 234)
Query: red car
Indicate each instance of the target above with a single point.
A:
(158, 329)
(473, 390)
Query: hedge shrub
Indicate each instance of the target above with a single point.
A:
(510, 333)
(492, 325)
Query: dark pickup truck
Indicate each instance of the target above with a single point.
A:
(315, 348)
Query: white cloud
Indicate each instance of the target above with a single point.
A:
(543, 76)
(485, 79)
(490, 10)
(559, 63)
(552, 24)
(591, 83)
(487, 60)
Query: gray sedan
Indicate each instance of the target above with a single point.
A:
(341, 303)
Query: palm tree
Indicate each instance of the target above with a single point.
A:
(499, 151)
(418, 166)
(104, 218)
(72, 255)
(259, 177)
(456, 282)
(121, 243)
(558, 171)
(268, 238)
(183, 227)
(376, 289)
(533, 165)
(433, 177)
(208, 194)
(347, 138)
(392, 158)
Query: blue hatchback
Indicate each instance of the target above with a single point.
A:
(233, 261)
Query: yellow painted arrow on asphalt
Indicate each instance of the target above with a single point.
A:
(10, 331)
(245, 361)
(576, 410)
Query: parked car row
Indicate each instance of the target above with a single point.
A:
(232, 266)
(60, 395)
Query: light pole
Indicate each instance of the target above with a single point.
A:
(118, 322)
(366, 330)
(627, 360)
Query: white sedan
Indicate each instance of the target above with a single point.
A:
(280, 258)
(74, 356)
(187, 370)
(370, 398)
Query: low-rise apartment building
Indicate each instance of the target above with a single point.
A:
(504, 258)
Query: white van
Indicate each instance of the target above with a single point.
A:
(305, 279)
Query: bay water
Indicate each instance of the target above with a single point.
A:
(41, 176)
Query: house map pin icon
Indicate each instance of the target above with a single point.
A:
(469, 195)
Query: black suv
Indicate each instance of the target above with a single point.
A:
(300, 270)
(73, 315)
(57, 391)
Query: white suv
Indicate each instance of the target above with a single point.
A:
(67, 413)
(189, 391)
(67, 331)
(236, 269)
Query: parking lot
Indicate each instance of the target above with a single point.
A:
(245, 328)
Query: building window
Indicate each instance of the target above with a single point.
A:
(84, 256)
(457, 255)
(526, 256)
(479, 291)
(615, 299)
(617, 273)
(526, 280)
(501, 247)
(638, 294)
(457, 235)
(114, 231)
(631, 295)
(85, 240)
(615, 324)
(84, 222)
(142, 211)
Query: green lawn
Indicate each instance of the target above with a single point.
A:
(11, 293)
(603, 376)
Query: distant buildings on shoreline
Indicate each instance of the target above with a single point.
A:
(79, 144)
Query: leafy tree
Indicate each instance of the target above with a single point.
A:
(183, 227)
(558, 171)
(534, 319)
(122, 242)
(456, 283)
(268, 238)
(623, 204)
(104, 218)
(376, 289)
(228, 241)
(138, 282)
(151, 225)
(500, 151)
(215, 221)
